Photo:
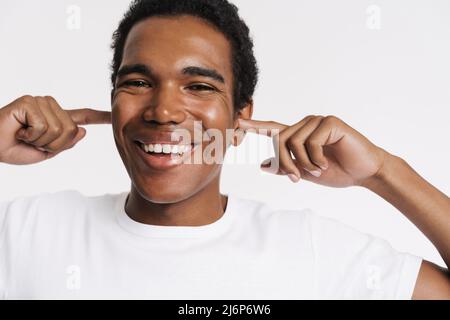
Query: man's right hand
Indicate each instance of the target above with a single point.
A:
(34, 129)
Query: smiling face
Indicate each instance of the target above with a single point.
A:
(175, 71)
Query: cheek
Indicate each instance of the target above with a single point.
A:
(216, 116)
(123, 110)
(124, 106)
(215, 113)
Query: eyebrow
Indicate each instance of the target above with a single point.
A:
(135, 68)
(191, 70)
(204, 72)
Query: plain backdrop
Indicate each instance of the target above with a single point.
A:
(381, 66)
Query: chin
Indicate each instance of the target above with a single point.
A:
(163, 193)
(172, 188)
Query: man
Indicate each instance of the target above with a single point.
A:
(178, 64)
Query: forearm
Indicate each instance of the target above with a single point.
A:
(423, 204)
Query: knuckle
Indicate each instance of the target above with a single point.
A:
(50, 98)
(331, 119)
(312, 143)
(319, 119)
(72, 129)
(55, 130)
(27, 99)
(40, 126)
(295, 140)
(41, 100)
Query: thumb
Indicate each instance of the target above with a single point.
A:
(79, 136)
(20, 134)
(272, 166)
(24, 134)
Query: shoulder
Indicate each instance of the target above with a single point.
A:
(322, 228)
(356, 264)
(67, 200)
(52, 208)
(271, 219)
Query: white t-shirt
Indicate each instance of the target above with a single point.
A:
(65, 245)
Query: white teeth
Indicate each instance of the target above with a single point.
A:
(167, 148)
(158, 148)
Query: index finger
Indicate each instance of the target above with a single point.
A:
(268, 128)
(90, 116)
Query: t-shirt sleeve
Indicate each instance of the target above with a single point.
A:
(16, 223)
(30, 221)
(350, 264)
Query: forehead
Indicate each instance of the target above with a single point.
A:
(175, 42)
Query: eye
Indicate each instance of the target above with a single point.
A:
(136, 83)
(201, 87)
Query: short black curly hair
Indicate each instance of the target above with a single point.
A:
(221, 14)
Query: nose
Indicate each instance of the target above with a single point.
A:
(165, 106)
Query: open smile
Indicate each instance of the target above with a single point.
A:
(164, 156)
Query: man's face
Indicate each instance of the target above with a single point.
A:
(175, 71)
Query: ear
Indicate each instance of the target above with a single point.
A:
(245, 113)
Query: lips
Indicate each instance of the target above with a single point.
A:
(166, 137)
(154, 157)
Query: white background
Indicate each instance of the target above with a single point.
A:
(316, 57)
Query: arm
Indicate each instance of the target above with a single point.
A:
(426, 207)
(329, 152)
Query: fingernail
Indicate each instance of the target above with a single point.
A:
(324, 167)
(293, 178)
(269, 169)
(316, 173)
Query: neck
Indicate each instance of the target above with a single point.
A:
(204, 207)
